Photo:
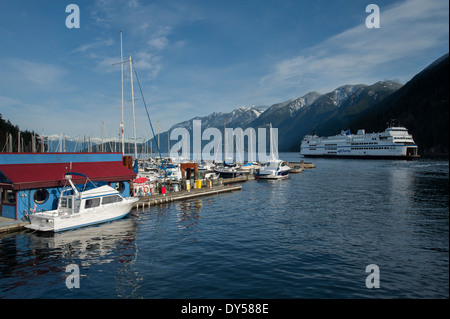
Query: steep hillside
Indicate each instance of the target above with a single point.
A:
(333, 111)
(421, 105)
(12, 131)
(239, 117)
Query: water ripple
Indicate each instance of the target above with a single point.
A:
(310, 236)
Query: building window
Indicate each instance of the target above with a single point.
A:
(40, 196)
(9, 197)
(119, 186)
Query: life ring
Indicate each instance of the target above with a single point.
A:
(146, 189)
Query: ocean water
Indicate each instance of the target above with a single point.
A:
(311, 236)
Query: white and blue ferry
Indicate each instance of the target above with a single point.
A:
(394, 143)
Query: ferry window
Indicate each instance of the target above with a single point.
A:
(69, 204)
(94, 202)
(63, 202)
(40, 196)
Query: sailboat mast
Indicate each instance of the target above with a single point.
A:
(121, 67)
(132, 101)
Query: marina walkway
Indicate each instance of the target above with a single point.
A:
(9, 224)
(185, 194)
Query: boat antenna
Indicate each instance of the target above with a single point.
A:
(148, 116)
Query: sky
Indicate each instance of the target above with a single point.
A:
(197, 57)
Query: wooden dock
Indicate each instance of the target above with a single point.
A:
(227, 185)
(298, 167)
(184, 194)
(9, 224)
(239, 179)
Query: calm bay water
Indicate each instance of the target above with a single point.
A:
(310, 236)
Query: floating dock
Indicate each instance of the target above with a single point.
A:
(184, 194)
(10, 225)
(226, 185)
(298, 167)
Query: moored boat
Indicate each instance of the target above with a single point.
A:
(394, 143)
(229, 172)
(82, 208)
(274, 169)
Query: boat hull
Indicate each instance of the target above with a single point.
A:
(275, 175)
(230, 173)
(269, 176)
(52, 222)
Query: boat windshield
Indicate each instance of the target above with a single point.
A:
(271, 164)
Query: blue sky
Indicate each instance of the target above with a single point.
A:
(198, 57)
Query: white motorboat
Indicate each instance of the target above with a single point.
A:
(82, 208)
(274, 169)
(173, 172)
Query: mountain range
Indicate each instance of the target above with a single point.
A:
(421, 105)
(297, 117)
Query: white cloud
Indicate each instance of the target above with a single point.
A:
(159, 39)
(94, 45)
(109, 64)
(408, 30)
(151, 64)
(42, 74)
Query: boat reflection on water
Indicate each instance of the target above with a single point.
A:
(91, 245)
(111, 243)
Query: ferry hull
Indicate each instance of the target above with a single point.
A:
(381, 157)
